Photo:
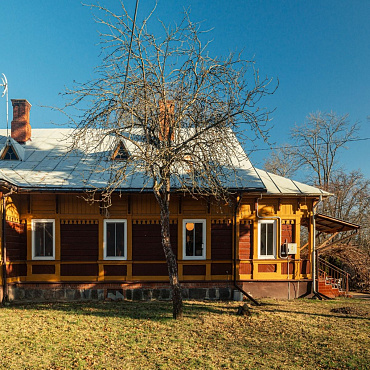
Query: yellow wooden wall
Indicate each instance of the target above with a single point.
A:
(144, 208)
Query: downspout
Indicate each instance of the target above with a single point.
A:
(235, 255)
(3, 253)
(3, 249)
(314, 291)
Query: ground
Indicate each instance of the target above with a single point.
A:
(297, 334)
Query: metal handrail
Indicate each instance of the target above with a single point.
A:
(335, 276)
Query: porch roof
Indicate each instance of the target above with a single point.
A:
(329, 225)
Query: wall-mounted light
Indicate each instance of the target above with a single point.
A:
(190, 226)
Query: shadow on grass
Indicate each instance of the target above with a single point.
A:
(316, 314)
(139, 310)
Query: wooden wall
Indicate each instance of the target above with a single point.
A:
(79, 238)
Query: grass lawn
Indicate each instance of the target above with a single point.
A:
(299, 334)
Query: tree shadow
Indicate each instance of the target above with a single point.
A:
(136, 310)
(315, 314)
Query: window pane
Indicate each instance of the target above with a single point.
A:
(120, 239)
(43, 239)
(270, 239)
(48, 228)
(198, 231)
(263, 240)
(111, 239)
(189, 242)
(39, 240)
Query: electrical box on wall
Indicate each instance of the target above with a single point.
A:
(292, 248)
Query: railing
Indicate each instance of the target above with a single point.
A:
(333, 275)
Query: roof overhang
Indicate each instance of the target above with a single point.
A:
(329, 225)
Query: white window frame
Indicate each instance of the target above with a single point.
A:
(115, 258)
(204, 236)
(33, 223)
(269, 256)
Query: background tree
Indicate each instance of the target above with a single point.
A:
(283, 161)
(315, 147)
(313, 155)
(174, 108)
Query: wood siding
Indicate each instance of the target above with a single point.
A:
(43, 269)
(287, 233)
(271, 267)
(15, 270)
(147, 242)
(149, 269)
(79, 242)
(115, 270)
(245, 241)
(16, 241)
(79, 230)
(221, 269)
(79, 270)
(194, 270)
(221, 241)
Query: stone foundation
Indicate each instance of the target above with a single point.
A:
(59, 292)
(98, 292)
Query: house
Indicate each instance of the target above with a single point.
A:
(57, 246)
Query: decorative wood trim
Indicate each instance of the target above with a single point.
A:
(221, 221)
(246, 222)
(151, 222)
(79, 222)
(288, 222)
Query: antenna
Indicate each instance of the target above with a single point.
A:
(5, 86)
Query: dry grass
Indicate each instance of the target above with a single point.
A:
(300, 334)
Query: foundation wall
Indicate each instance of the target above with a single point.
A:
(55, 292)
(277, 289)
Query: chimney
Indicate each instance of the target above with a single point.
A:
(166, 115)
(21, 128)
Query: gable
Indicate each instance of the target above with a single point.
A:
(120, 153)
(12, 151)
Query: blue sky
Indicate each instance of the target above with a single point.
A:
(319, 51)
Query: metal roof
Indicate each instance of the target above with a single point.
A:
(329, 225)
(49, 164)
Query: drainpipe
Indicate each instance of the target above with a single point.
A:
(3, 248)
(314, 291)
(235, 256)
(3, 253)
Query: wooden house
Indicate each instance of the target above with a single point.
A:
(57, 246)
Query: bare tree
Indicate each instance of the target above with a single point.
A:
(318, 142)
(315, 147)
(282, 161)
(174, 108)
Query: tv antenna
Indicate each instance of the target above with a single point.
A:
(4, 84)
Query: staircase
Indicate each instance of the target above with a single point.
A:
(332, 281)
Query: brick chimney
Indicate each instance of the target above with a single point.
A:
(21, 128)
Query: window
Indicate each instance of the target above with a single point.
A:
(43, 239)
(120, 153)
(10, 154)
(194, 239)
(267, 239)
(115, 239)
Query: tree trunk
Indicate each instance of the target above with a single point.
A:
(171, 261)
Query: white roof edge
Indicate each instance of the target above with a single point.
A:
(276, 184)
